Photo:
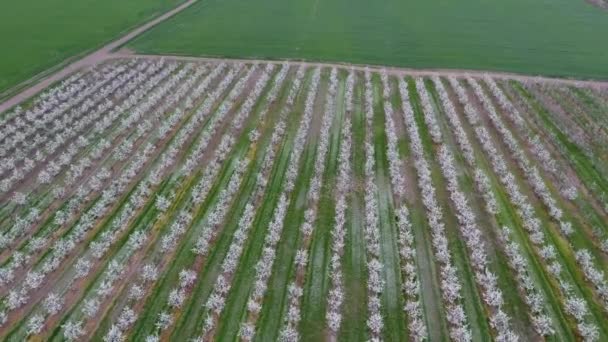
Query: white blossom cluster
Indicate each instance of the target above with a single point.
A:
(177, 229)
(280, 128)
(460, 134)
(392, 149)
(295, 86)
(333, 315)
(206, 108)
(71, 129)
(127, 316)
(217, 299)
(63, 128)
(254, 96)
(271, 98)
(49, 100)
(541, 190)
(349, 91)
(323, 144)
(217, 215)
(169, 241)
(62, 247)
(178, 96)
(18, 259)
(469, 229)
(289, 331)
(275, 227)
(596, 276)
(125, 320)
(215, 302)
(17, 120)
(203, 187)
(63, 216)
(121, 152)
(547, 162)
(77, 168)
(74, 330)
(299, 143)
(492, 295)
(375, 283)
(533, 297)
(530, 171)
(220, 114)
(131, 172)
(82, 261)
(153, 99)
(176, 299)
(264, 265)
(411, 286)
(16, 134)
(137, 199)
(450, 284)
(482, 182)
(277, 84)
(528, 216)
(427, 109)
(103, 290)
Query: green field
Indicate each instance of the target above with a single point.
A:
(560, 37)
(37, 35)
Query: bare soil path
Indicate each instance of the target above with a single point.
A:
(107, 53)
(391, 70)
(98, 56)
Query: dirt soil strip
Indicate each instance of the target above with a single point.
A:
(390, 69)
(98, 56)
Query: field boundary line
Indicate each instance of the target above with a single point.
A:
(97, 56)
(395, 70)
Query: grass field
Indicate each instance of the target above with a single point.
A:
(37, 35)
(262, 201)
(560, 37)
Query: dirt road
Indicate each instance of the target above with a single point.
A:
(93, 58)
(389, 69)
(106, 53)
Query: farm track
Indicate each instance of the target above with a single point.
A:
(218, 208)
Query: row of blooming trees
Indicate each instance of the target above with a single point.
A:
(532, 296)
(375, 281)
(275, 228)
(468, 226)
(136, 200)
(450, 283)
(170, 240)
(335, 298)
(411, 281)
(542, 191)
(84, 192)
(139, 202)
(574, 304)
(120, 225)
(290, 332)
